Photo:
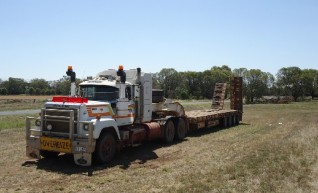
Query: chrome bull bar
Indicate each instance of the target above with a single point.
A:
(33, 135)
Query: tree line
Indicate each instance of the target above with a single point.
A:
(17, 86)
(289, 81)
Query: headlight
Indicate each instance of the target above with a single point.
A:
(49, 127)
(85, 127)
(37, 123)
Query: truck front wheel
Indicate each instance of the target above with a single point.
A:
(105, 148)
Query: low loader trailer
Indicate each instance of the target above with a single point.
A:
(118, 109)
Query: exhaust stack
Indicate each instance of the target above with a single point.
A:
(138, 100)
(72, 74)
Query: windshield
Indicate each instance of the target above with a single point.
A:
(100, 93)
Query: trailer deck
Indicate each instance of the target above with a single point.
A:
(217, 115)
(209, 118)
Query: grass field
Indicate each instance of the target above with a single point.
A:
(274, 149)
(21, 102)
(13, 121)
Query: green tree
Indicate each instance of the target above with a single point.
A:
(290, 81)
(239, 72)
(3, 91)
(309, 81)
(173, 83)
(40, 84)
(31, 91)
(193, 81)
(155, 81)
(15, 86)
(271, 84)
(38, 91)
(224, 70)
(63, 86)
(181, 93)
(168, 79)
(207, 84)
(256, 84)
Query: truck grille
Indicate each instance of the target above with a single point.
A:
(59, 119)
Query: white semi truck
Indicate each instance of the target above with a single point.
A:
(116, 109)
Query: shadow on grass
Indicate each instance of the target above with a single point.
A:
(64, 163)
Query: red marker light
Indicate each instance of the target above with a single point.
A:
(66, 99)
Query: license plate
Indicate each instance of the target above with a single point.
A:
(54, 144)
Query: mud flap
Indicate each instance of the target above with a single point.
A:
(83, 159)
(33, 153)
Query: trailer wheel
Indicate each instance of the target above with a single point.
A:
(181, 129)
(224, 122)
(169, 131)
(235, 120)
(105, 148)
(49, 154)
(230, 121)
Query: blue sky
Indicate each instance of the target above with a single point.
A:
(39, 39)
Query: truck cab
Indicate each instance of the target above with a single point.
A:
(111, 111)
(125, 91)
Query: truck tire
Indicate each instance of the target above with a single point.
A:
(237, 121)
(230, 121)
(49, 154)
(181, 129)
(224, 122)
(105, 148)
(169, 131)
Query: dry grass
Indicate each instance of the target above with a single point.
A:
(20, 102)
(275, 149)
